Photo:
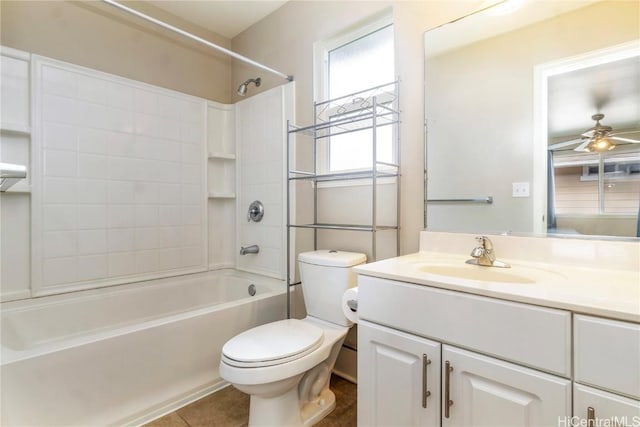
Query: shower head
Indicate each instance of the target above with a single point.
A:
(242, 89)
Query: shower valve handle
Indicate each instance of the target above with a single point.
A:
(255, 212)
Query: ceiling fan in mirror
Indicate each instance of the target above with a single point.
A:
(599, 138)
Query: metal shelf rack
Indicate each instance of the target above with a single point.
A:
(370, 109)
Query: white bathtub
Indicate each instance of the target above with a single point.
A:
(125, 355)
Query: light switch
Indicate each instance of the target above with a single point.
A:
(520, 189)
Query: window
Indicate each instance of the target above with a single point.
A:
(353, 62)
(579, 188)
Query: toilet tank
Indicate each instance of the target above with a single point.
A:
(325, 276)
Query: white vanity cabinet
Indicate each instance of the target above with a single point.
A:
(552, 341)
(485, 390)
(403, 380)
(398, 378)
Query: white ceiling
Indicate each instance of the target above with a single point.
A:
(612, 89)
(484, 24)
(224, 17)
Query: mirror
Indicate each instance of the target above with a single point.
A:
(501, 90)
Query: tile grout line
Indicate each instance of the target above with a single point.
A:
(182, 418)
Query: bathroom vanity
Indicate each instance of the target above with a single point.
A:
(551, 340)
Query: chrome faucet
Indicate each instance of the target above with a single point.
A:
(253, 249)
(484, 254)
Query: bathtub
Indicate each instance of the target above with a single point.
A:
(127, 354)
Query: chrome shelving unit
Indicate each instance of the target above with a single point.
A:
(371, 109)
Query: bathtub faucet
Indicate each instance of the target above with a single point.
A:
(253, 249)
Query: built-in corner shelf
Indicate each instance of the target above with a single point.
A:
(215, 195)
(226, 156)
(20, 187)
(15, 129)
(221, 185)
(20, 132)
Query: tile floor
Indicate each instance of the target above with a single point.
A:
(230, 408)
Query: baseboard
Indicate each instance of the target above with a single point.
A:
(347, 365)
(345, 376)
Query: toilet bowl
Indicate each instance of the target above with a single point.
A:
(292, 390)
(285, 366)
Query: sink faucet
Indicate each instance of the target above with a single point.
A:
(253, 249)
(484, 254)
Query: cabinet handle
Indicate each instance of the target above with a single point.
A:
(591, 417)
(425, 383)
(447, 388)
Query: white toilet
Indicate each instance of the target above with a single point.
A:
(285, 366)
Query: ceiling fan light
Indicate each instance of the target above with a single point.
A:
(600, 145)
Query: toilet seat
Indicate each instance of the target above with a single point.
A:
(272, 344)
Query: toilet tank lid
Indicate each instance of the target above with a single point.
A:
(332, 258)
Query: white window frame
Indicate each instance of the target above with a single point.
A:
(321, 51)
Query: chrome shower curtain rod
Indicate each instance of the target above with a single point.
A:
(198, 39)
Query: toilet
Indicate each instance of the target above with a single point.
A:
(285, 366)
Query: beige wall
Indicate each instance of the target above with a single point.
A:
(284, 40)
(98, 36)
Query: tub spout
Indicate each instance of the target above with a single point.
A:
(253, 249)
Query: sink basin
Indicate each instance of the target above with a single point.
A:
(484, 274)
(520, 275)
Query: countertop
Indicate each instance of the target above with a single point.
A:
(607, 292)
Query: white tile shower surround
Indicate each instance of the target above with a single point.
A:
(261, 140)
(118, 179)
(14, 102)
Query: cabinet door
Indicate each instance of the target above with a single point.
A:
(397, 386)
(488, 392)
(607, 354)
(604, 408)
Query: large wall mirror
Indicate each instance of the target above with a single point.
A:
(533, 119)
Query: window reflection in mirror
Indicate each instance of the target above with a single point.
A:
(577, 179)
(483, 130)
